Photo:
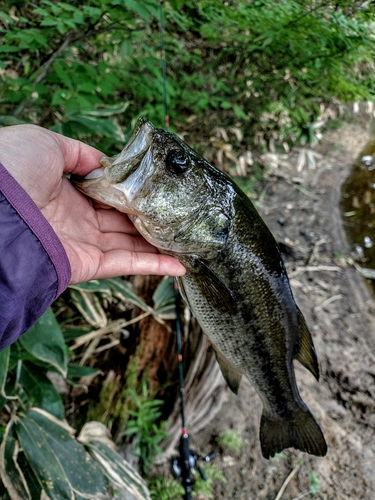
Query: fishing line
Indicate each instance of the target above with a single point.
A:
(163, 65)
(184, 465)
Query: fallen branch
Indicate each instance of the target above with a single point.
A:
(286, 482)
(305, 269)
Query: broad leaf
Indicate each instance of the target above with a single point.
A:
(93, 286)
(89, 306)
(100, 126)
(118, 471)
(4, 364)
(71, 332)
(41, 390)
(45, 342)
(10, 472)
(77, 371)
(164, 299)
(63, 467)
(122, 291)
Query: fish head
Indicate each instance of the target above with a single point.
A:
(176, 199)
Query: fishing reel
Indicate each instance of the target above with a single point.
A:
(186, 464)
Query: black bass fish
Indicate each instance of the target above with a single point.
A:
(236, 284)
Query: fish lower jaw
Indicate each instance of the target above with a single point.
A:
(95, 174)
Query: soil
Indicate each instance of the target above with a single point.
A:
(301, 207)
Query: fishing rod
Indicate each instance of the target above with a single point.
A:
(184, 465)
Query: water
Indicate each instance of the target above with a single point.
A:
(358, 207)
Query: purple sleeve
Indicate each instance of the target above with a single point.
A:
(34, 267)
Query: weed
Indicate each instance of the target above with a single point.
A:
(143, 426)
(231, 439)
(204, 487)
(314, 483)
(162, 488)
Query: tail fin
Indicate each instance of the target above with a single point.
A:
(302, 433)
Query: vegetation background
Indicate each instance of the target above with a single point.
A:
(243, 77)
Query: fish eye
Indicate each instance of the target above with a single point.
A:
(177, 161)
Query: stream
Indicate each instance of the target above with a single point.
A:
(358, 210)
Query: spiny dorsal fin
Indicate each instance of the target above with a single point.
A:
(306, 354)
(231, 375)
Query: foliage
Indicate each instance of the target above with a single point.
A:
(38, 450)
(162, 488)
(269, 67)
(115, 400)
(36, 440)
(204, 486)
(264, 70)
(143, 425)
(231, 439)
(314, 483)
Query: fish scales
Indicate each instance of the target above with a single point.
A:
(236, 284)
(239, 337)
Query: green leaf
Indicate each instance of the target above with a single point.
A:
(71, 332)
(91, 11)
(6, 18)
(65, 77)
(226, 105)
(90, 307)
(31, 480)
(107, 128)
(101, 286)
(41, 390)
(11, 120)
(10, 471)
(122, 291)
(4, 365)
(61, 464)
(45, 342)
(49, 22)
(117, 470)
(164, 299)
(239, 112)
(139, 8)
(9, 48)
(115, 109)
(77, 371)
(126, 48)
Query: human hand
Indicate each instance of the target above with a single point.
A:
(100, 243)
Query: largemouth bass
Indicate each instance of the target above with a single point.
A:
(236, 284)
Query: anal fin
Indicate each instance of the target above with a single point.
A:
(306, 354)
(232, 375)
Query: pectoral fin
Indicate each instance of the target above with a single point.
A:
(232, 375)
(306, 354)
(213, 289)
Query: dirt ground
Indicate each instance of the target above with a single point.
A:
(301, 207)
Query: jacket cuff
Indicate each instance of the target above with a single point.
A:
(38, 224)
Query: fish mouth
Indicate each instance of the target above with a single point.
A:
(116, 182)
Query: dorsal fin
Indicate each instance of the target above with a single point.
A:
(306, 354)
(232, 375)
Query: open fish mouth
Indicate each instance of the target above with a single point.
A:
(116, 183)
